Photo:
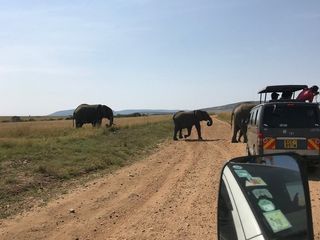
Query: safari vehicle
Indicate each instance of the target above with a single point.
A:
(285, 125)
(264, 197)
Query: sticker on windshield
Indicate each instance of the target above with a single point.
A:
(243, 174)
(262, 192)
(237, 167)
(277, 221)
(266, 205)
(255, 181)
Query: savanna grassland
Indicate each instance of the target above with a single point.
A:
(37, 158)
(224, 116)
(169, 194)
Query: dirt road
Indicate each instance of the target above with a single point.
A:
(171, 194)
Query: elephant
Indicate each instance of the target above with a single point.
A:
(183, 119)
(243, 130)
(93, 114)
(239, 119)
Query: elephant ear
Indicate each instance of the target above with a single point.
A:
(198, 115)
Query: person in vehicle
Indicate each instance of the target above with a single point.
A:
(286, 95)
(308, 94)
(274, 96)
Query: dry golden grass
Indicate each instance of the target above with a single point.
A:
(37, 155)
(225, 116)
(58, 127)
(141, 120)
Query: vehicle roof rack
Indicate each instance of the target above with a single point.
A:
(281, 88)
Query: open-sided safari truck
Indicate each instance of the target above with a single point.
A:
(286, 90)
(285, 125)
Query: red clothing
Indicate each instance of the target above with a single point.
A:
(306, 95)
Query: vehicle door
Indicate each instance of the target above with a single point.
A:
(252, 132)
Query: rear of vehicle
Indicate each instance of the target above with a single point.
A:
(285, 127)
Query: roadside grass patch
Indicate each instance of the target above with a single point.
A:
(35, 164)
(225, 116)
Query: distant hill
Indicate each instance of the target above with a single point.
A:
(64, 113)
(145, 111)
(226, 108)
(218, 109)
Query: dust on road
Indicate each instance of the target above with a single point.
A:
(171, 194)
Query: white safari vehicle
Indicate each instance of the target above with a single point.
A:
(285, 125)
(264, 197)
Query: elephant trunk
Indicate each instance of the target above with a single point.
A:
(109, 115)
(209, 122)
(111, 121)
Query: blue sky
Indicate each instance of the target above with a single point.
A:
(159, 54)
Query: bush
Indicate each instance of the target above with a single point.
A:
(16, 119)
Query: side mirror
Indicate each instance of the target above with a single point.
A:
(264, 197)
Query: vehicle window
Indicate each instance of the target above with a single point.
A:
(249, 122)
(226, 224)
(255, 117)
(258, 115)
(278, 200)
(251, 117)
(290, 116)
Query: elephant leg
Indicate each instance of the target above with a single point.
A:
(198, 127)
(240, 135)
(245, 138)
(244, 133)
(234, 136)
(78, 124)
(180, 133)
(189, 132)
(176, 129)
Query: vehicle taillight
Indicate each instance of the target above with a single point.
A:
(313, 144)
(317, 141)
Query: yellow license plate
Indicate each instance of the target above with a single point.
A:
(290, 143)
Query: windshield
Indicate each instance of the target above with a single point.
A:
(277, 198)
(290, 116)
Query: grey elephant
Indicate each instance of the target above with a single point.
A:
(239, 119)
(187, 120)
(93, 114)
(243, 130)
